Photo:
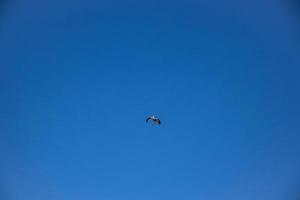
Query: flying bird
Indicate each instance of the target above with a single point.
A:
(154, 119)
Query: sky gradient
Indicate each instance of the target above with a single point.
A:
(79, 78)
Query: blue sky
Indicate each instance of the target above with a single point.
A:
(78, 79)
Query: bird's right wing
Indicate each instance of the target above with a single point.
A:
(158, 122)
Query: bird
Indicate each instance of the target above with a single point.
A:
(156, 120)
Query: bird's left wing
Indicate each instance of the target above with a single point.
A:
(148, 119)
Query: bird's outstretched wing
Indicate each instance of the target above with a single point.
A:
(148, 119)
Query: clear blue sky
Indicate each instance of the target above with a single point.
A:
(78, 79)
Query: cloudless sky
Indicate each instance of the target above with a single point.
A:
(79, 78)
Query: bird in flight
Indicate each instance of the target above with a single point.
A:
(154, 119)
